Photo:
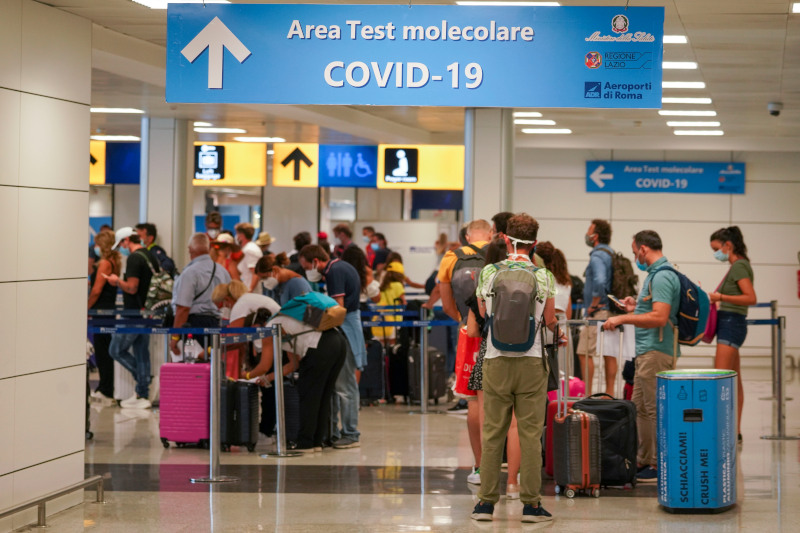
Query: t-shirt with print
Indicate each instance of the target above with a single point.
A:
(666, 288)
(136, 267)
(545, 288)
(341, 279)
(740, 270)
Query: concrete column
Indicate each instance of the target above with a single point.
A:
(489, 162)
(166, 182)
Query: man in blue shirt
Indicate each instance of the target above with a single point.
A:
(191, 295)
(343, 285)
(599, 275)
(654, 314)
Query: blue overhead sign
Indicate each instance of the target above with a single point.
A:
(421, 55)
(665, 176)
(342, 165)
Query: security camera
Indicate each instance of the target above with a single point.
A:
(774, 108)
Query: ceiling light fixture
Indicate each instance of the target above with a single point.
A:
(120, 110)
(671, 100)
(534, 122)
(683, 85)
(114, 138)
(563, 131)
(675, 39)
(689, 124)
(260, 139)
(796, 7)
(202, 124)
(162, 4)
(682, 113)
(527, 114)
(715, 133)
(513, 4)
(679, 65)
(220, 130)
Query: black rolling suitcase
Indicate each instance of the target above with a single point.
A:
(437, 374)
(372, 387)
(238, 414)
(576, 450)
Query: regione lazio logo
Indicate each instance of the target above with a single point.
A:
(619, 24)
(591, 89)
(216, 37)
(593, 60)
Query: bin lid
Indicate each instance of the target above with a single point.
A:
(697, 373)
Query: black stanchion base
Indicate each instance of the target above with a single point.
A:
(780, 437)
(218, 479)
(273, 454)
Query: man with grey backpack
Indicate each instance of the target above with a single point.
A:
(517, 299)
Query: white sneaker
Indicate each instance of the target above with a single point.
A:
(102, 399)
(136, 403)
(475, 476)
(128, 401)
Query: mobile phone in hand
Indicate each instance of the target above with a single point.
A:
(616, 301)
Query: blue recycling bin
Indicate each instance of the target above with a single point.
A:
(696, 412)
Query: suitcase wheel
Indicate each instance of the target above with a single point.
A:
(570, 493)
(558, 489)
(89, 435)
(165, 442)
(204, 444)
(225, 447)
(251, 448)
(596, 493)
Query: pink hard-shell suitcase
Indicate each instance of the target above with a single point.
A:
(184, 403)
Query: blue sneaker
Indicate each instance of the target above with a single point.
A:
(647, 475)
(531, 513)
(483, 512)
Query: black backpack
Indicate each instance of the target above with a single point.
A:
(464, 279)
(623, 280)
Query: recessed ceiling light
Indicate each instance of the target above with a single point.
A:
(260, 139)
(796, 7)
(563, 131)
(699, 132)
(675, 39)
(527, 114)
(671, 100)
(162, 4)
(125, 110)
(689, 124)
(490, 3)
(534, 122)
(679, 65)
(220, 130)
(114, 138)
(683, 85)
(202, 124)
(682, 113)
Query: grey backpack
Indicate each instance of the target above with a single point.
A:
(464, 280)
(513, 322)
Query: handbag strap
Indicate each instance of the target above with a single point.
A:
(210, 280)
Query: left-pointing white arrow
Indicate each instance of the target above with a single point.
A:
(216, 36)
(598, 176)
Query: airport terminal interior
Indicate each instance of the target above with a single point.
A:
(78, 74)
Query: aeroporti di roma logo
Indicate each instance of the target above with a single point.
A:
(619, 24)
(593, 59)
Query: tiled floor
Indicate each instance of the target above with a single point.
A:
(409, 475)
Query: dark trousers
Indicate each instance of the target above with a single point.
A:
(318, 372)
(105, 365)
(202, 321)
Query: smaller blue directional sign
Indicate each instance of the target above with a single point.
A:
(343, 165)
(665, 176)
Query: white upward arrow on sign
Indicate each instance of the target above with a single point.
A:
(216, 36)
(597, 176)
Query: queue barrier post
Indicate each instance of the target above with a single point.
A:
(280, 413)
(780, 407)
(214, 430)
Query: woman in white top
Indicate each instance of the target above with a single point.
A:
(241, 302)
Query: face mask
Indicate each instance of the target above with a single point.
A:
(641, 266)
(365, 239)
(589, 241)
(313, 275)
(514, 242)
(271, 283)
(719, 255)
(374, 246)
(225, 312)
(97, 251)
(213, 233)
(124, 251)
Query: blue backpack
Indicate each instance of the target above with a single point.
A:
(692, 309)
(315, 309)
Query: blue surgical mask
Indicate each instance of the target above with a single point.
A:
(374, 246)
(641, 266)
(97, 251)
(124, 251)
(719, 255)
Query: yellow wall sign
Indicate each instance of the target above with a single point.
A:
(295, 165)
(421, 166)
(97, 162)
(237, 164)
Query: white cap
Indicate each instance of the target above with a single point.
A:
(122, 234)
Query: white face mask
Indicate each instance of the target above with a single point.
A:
(225, 312)
(213, 233)
(313, 275)
(271, 283)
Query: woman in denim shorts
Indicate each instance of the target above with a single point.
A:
(734, 295)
